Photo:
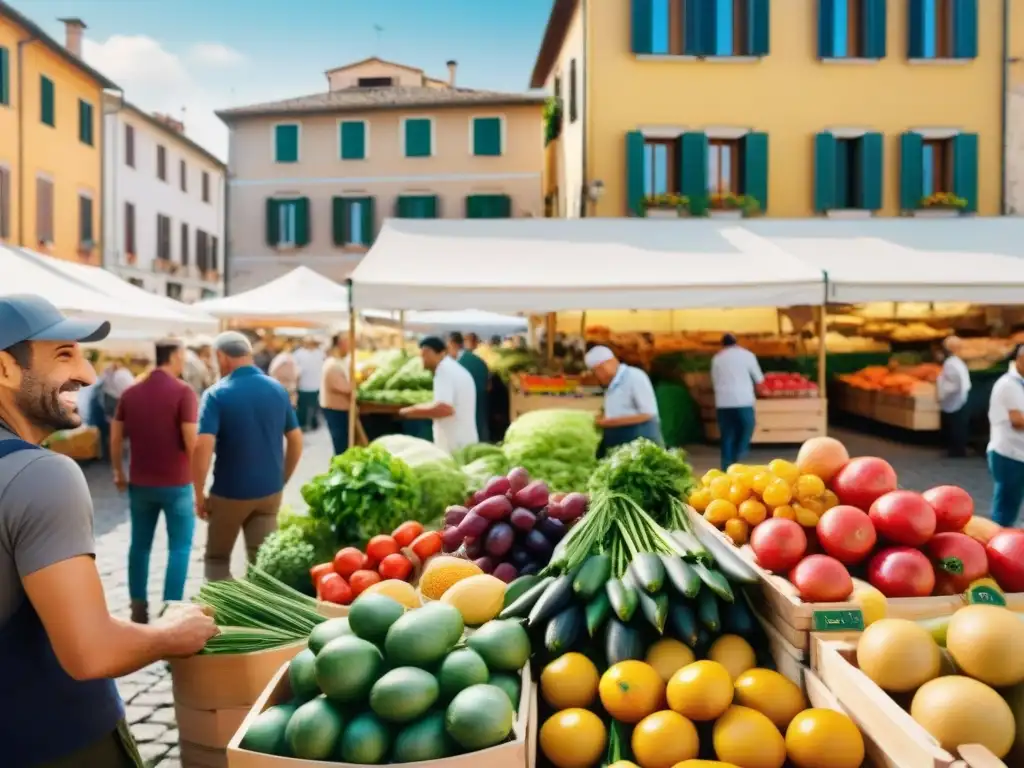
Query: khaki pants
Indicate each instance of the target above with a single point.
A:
(255, 518)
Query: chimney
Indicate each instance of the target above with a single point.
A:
(452, 66)
(73, 29)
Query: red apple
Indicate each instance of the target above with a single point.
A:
(903, 517)
(953, 507)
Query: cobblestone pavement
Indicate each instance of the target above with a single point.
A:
(147, 693)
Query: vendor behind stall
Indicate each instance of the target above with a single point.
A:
(630, 407)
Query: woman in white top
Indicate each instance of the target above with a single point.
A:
(1006, 442)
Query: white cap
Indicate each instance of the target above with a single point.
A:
(598, 355)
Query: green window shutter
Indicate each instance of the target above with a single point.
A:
(758, 27)
(353, 140)
(430, 207)
(693, 151)
(755, 168)
(404, 208)
(915, 29)
(417, 207)
(473, 207)
(911, 171)
(643, 25)
(487, 136)
(369, 221)
(872, 168)
(488, 207)
(46, 101)
(301, 221)
(286, 143)
(965, 29)
(5, 76)
(698, 28)
(635, 173)
(824, 172)
(826, 29)
(965, 169)
(417, 137)
(339, 221)
(273, 222)
(85, 129)
(874, 29)
(502, 207)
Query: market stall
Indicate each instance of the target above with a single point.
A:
(302, 295)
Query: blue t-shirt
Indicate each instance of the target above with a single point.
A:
(248, 413)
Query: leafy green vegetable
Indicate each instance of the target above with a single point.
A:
(412, 450)
(470, 453)
(397, 396)
(388, 364)
(557, 446)
(442, 484)
(412, 375)
(288, 553)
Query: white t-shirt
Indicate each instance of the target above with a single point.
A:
(311, 367)
(1007, 395)
(953, 384)
(453, 385)
(734, 372)
(629, 394)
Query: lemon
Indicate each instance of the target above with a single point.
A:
(773, 695)
(746, 737)
(668, 656)
(664, 739)
(823, 738)
(829, 499)
(700, 691)
(734, 653)
(573, 738)
(735, 470)
(569, 681)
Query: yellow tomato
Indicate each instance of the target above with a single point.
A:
(784, 470)
(815, 504)
(734, 653)
(738, 530)
(700, 691)
(703, 764)
(773, 695)
(762, 480)
(809, 486)
(569, 681)
(738, 493)
(720, 487)
(829, 499)
(700, 499)
(631, 690)
(753, 511)
(806, 517)
(777, 493)
(823, 738)
(663, 739)
(668, 656)
(735, 470)
(573, 738)
(720, 510)
(746, 737)
(710, 475)
(785, 511)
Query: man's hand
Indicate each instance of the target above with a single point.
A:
(120, 480)
(185, 630)
(201, 511)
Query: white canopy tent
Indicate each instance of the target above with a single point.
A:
(475, 320)
(301, 295)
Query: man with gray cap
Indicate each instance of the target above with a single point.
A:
(630, 407)
(59, 646)
(247, 419)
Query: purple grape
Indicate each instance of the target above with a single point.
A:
(553, 529)
(473, 524)
(519, 556)
(533, 496)
(506, 572)
(573, 506)
(538, 543)
(473, 547)
(455, 514)
(494, 508)
(518, 479)
(498, 485)
(523, 519)
(451, 538)
(499, 539)
(486, 564)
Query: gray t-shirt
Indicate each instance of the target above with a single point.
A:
(46, 516)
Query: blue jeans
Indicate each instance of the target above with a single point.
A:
(735, 428)
(337, 425)
(146, 503)
(1008, 493)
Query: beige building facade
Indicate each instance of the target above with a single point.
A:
(312, 179)
(1015, 110)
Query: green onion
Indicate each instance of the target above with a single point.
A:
(236, 640)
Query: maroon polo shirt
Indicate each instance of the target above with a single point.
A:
(152, 413)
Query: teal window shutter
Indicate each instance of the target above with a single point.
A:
(965, 169)
(417, 207)
(46, 101)
(488, 207)
(487, 136)
(369, 221)
(874, 29)
(473, 207)
(353, 140)
(5, 76)
(85, 122)
(404, 208)
(758, 27)
(301, 221)
(273, 222)
(915, 29)
(339, 221)
(286, 143)
(642, 25)
(697, 16)
(824, 172)
(826, 29)
(965, 29)
(430, 207)
(755, 168)
(635, 173)
(911, 171)
(872, 169)
(417, 137)
(693, 180)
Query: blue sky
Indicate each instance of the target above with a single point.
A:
(189, 57)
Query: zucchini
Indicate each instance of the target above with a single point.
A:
(737, 618)
(692, 546)
(564, 629)
(728, 560)
(654, 608)
(623, 642)
(707, 610)
(519, 587)
(648, 572)
(715, 581)
(622, 597)
(556, 597)
(520, 609)
(682, 622)
(681, 576)
(598, 610)
(592, 576)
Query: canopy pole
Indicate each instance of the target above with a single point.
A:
(353, 408)
(822, 329)
(401, 325)
(550, 333)
(583, 327)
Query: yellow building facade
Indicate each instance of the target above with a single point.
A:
(792, 108)
(51, 141)
(1015, 112)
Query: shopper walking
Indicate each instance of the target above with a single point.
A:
(158, 416)
(734, 374)
(453, 409)
(247, 420)
(954, 386)
(336, 393)
(1006, 442)
(310, 360)
(481, 380)
(60, 648)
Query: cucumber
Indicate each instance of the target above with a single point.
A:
(681, 576)
(691, 544)
(519, 587)
(728, 560)
(520, 609)
(654, 608)
(682, 622)
(564, 629)
(622, 642)
(598, 610)
(715, 581)
(592, 576)
(707, 610)
(556, 597)
(737, 618)
(648, 572)
(622, 598)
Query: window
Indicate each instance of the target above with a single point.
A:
(46, 101)
(163, 237)
(558, 88)
(488, 207)
(213, 255)
(418, 137)
(174, 291)
(129, 146)
(206, 187)
(161, 162)
(667, 27)
(288, 222)
(354, 221)
(183, 174)
(701, 27)
(85, 238)
(943, 29)
(936, 166)
(731, 21)
(352, 139)
(939, 172)
(286, 143)
(723, 167)
(847, 172)
(573, 100)
(202, 257)
(5, 76)
(85, 122)
(184, 245)
(129, 230)
(851, 29)
(44, 211)
(487, 136)
(416, 207)
(375, 82)
(661, 169)
(5, 203)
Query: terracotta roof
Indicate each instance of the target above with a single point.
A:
(173, 134)
(554, 38)
(377, 59)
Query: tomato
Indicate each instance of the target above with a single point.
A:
(958, 560)
(380, 547)
(334, 589)
(903, 517)
(406, 533)
(847, 534)
(901, 572)
(361, 580)
(1005, 553)
(348, 561)
(395, 567)
(319, 570)
(427, 545)
(778, 543)
(821, 579)
(953, 507)
(862, 480)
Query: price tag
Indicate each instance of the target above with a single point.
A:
(839, 621)
(983, 594)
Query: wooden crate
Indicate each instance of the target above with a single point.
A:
(903, 412)
(780, 420)
(520, 403)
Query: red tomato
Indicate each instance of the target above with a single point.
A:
(380, 547)
(958, 560)
(862, 480)
(1005, 553)
(348, 561)
(406, 533)
(427, 545)
(361, 580)
(821, 579)
(396, 567)
(334, 589)
(953, 507)
(778, 543)
(847, 534)
(903, 517)
(319, 570)
(901, 572)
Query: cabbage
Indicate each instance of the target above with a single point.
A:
(413, 451)
(557, 446)
(483, 469)
(470, 453)
(441, 485)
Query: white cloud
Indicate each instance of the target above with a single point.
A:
(215, 55)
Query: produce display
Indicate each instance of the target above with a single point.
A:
(556, 446)
(299, 542)
(786, 385)
(398, 379)
(918, 380)
(441, 482)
